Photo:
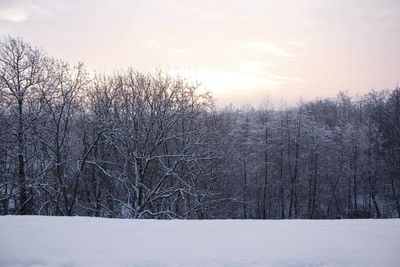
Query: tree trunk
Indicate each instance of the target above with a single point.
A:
(23, 192)
(265, 186)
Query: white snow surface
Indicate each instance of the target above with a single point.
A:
(82, 241)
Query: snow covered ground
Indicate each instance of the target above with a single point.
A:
(80, 241)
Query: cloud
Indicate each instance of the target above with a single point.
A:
(262, 69)
(268, 47)
(256, 67)
(287, 78)
(296, 43)
(13, 14)
(164, 47)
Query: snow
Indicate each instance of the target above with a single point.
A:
(81, 241)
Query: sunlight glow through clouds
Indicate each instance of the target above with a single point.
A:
(232, 83)
(233, 78)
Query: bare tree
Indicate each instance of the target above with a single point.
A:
(21, 70)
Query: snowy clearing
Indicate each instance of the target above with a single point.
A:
(81, 241)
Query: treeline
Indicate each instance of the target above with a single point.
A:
(137, 145)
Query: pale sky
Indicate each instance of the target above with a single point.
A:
(241, 51)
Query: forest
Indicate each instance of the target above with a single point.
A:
(149, 145)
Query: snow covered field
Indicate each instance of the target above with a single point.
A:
(80, 241)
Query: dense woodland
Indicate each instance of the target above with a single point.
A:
(147, 145)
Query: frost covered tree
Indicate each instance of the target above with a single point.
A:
(148, 145)
(21, 71)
